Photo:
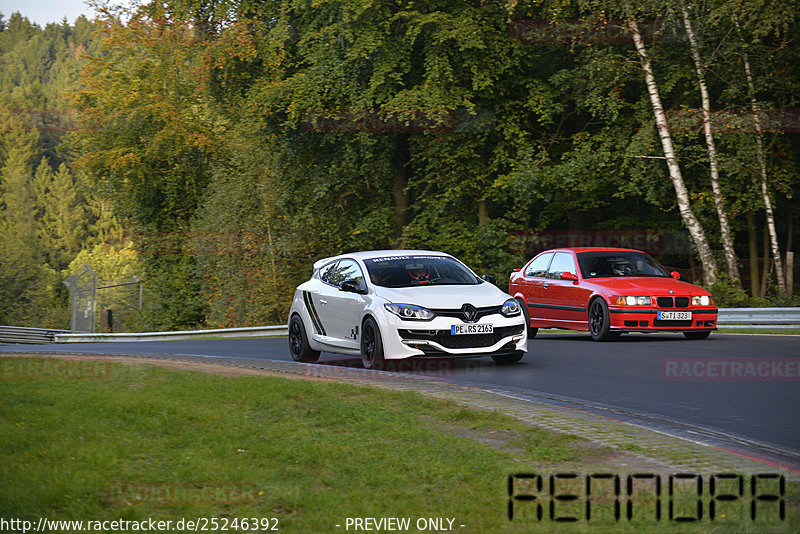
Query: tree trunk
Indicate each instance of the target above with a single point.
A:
(767, 265)
(725, 231)
(400, 163)
(483, 211)
(753, 239)
(689, 219)
(762, 162)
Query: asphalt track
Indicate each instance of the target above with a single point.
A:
(742, 387)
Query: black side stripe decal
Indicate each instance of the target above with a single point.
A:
(312, 311)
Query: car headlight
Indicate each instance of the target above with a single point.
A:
(510, 308)
(633, 301)
(409, 311)
(703, 300)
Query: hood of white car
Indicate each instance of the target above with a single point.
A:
(445, 296)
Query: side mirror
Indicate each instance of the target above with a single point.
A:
(351, 286)
(569, 276)
(489, 278)
(676, 275)
(518, 269)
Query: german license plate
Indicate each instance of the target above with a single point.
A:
(458, 329)
(675, 316)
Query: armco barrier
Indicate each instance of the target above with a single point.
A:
(759, 318)
(754, 318)
(19, 334)
(255, 331)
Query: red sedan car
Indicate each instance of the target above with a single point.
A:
(608, 291)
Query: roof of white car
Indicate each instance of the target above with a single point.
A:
(369, 254)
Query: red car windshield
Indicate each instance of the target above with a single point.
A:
(603, 264)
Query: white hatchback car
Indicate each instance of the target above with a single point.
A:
(395, 304)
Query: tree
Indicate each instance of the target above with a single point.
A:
(688, 216)
(62, 217)
(147, 142)
(719, 204)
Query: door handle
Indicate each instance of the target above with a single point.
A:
(545, 285)
(323, 302)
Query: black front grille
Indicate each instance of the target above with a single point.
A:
(464, 341)
(669, 302)
(458, 314)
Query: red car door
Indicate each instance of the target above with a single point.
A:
(564, 298)
(531, 282)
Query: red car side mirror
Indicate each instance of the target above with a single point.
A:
(676, 275)
(518, 269)
(569, 276)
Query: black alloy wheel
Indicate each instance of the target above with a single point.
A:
(371, 345)
(599, 322)
(298, 342)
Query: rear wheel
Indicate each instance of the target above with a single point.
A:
(298, 342)
(696, 335)
(531, 330)
(599, 322)
(506, 359)
(371, 345)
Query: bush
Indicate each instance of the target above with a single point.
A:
(727, 295)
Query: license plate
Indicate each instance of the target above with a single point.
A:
(675, 316)
(458, 329)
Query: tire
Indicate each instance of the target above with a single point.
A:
(696, 335)
(599, 322)
(507, 359)
(371, 345)
(531, 330)
(298, 342)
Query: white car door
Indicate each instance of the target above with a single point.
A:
(340, 311)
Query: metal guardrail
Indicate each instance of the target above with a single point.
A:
(751, 318)
(20, 334)
(255, 331)
(759, 318)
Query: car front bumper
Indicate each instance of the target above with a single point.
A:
(406, 339)
(628, 319)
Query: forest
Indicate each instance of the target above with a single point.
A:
(200, 155)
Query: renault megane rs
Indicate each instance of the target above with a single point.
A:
(395, 304)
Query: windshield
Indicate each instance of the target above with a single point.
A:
(416, 270)
(612, 264)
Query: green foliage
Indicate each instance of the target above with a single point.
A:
(727, 295)
(237, 143)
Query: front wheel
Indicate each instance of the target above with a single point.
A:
(371, 345)
(506, 359)
(696, 335)
(298, 342)
(599, 323)
(531, 330)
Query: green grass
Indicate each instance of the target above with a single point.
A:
(144, 442)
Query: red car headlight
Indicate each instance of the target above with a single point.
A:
(633, 301)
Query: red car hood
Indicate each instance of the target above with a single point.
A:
(645, 285)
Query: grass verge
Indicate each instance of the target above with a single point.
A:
(139, 442)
